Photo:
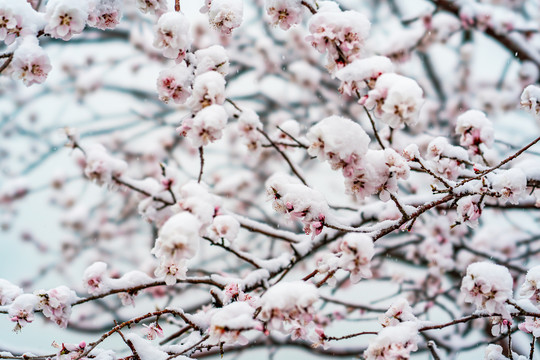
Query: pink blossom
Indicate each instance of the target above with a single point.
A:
(284, 13)
(105, 14)
(30, 62)
(153, 330)
(173, 35)
(175, 83)
(488, 286)
(65, 18)
(56, 304)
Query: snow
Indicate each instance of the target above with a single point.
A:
(145, 349)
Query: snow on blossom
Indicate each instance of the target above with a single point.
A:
(289, 305)
(197, 199)
(206, 126)
(213, 58)
(102, 167)
(298, 201)
(357, 250)
(65, 18)
(338, 140)
(175, 83)
(21, 310)
(227, 323)
(531, 287)
(510, 184)
(362, 73)
(446, 159)
(530, 100)
(225, 227)
(31, 63)
(394, 342)
(208, 89)
(105, 14)
(226, 15)
(95, 278)
(157, 7)
(488, 286)
(377, 173)
(173, 35)
(56, 304)
(396, 100)
(18, 19)
(284, 13)
(178, 237)
(248, 123)
(400, 311)
(469, 210)
(341, 33)
(475, 129)
(178, 241)
(8, 292)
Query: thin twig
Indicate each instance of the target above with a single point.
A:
(291, 165)
(201, 157)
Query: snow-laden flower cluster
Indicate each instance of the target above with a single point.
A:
(208, 89)
(173, 35)
(30, 62)
(476, 130)
(488, 286)
(396, 100)
(531, 287)
(284, 13)
(226, 15)
(175, 84)
(363, 73)
(378, 173)
(95, 278)
(157, 7)
(344, 144)
(446, 159)
(298, 201)
(530, 100)
(394, 342)
(105, 14)
(102, 167)
(353, 254)
(8, 292)
(17, 19)
(341, 34)
(213, 58)
(511, 184)
(288, 307)
(56, 304)
(228, 322)
(248, 125)
(66, 18)
(22, 309)
(340, 141)
(400, 311)
(178, 241)
(206, 126)
(225, 227)
(469, 210)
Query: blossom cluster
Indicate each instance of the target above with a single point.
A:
(298, 201)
